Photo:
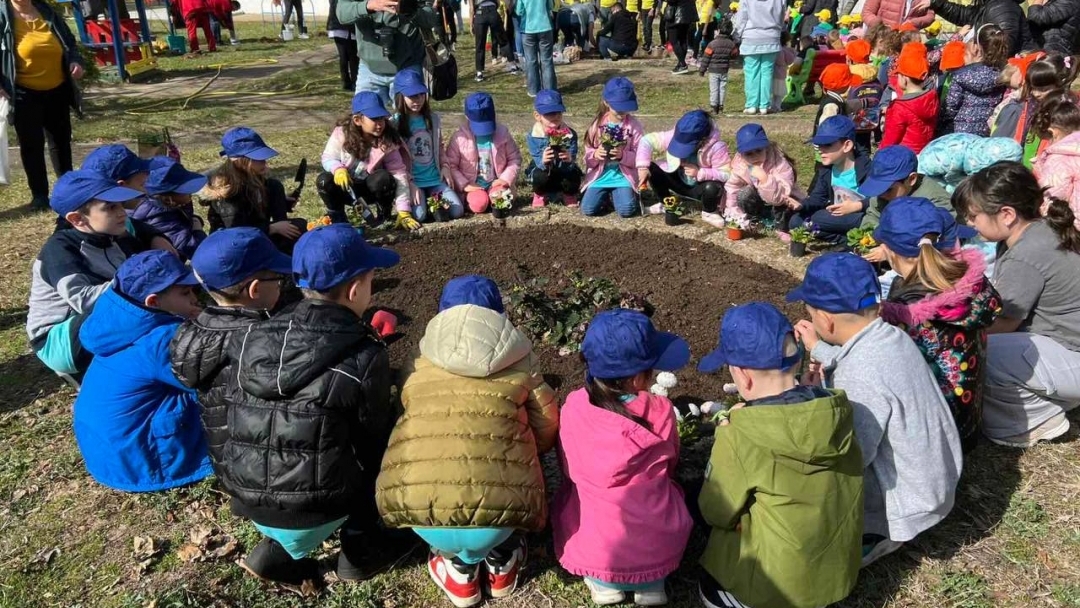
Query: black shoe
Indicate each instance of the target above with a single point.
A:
(716, 110)
(712, 595)
(39, 203)
(680, 69)
(270, 561)
(479, 77)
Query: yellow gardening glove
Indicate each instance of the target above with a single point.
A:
(405, 221)
(341, 178)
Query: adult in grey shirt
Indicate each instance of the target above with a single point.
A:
(1033, 352)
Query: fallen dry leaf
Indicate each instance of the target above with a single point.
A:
(43, 558)
(200, 535)
(144, 546)
(190, 553)
(225, 548)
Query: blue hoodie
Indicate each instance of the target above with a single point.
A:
(137, 426)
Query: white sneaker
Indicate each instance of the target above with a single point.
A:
(304, 36)
(234, 41)
(602, 596)
(656, 209)
(1047, 431)
(712, 219)
(750, 111)
(651, 598)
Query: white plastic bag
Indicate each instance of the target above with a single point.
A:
(5, 167)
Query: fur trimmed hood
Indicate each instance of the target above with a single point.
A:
(955, 306)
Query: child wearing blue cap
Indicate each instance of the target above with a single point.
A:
(834, 204)
(611, 152)
(316, 378)
(118, 163)
(482, 156)
(241, 193)
(472, 395)
(136, 425)
(75, 266)
(944, 301)
(168, 206)
(362, 160)
(420, 129)
(910, 446)
(763, 182)
(798, 526)
(553, 170)
(620, 520)
(243, 272)
(696, 164)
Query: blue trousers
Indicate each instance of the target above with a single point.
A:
(758, 70)
(624, 200)
(539, 63)
(420, 212)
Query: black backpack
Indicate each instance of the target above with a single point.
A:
(440, 66)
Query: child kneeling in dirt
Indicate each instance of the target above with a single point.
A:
(798, 526)
(242, 272)
(315, 379)
(619, 445)
(472, 397)
(136, 425)
(910, 446)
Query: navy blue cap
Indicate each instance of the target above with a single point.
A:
(369, 104)
(834, 129)
(229, 257)
(76, 188)
(751, 137)
(619, 95)
(752, 336)
(410, 83)
(480, 110)
(115, 161)
(838, 283)
(330, 255)
(471, 289)
(548, 101)
(152, 272)
(692, 128)
(620, 343)
(169, 176)
(890, 165)
(246, 143)
(906, 220)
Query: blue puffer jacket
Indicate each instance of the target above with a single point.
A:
(137, 427)
(174, 222)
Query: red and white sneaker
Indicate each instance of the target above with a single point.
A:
(570, 201)
(503, 570)
(539, 200)
(463, 588)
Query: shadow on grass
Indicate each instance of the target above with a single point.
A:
(24, 380)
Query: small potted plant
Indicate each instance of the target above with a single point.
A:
(673, 211)
(501, 204)
(439, 207)
(800, 237)
(559, 139)
(861, 240)
(736, 222)
(612, 136)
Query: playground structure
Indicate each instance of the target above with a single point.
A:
(118, 41)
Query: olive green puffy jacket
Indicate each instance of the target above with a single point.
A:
(465, 451)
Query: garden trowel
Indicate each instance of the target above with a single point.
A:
(301, 175)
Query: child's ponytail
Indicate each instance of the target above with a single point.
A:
(994, 44)
(936, 270)
(607, 394)
(1062, 220)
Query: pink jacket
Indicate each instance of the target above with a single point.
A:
(619, 516)
(892, 12)
(714, 161)
(594, 167)
(462, 158)
(335, 157)
(774, 190)
(1058, 170)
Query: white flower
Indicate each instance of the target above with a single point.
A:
(678, 414)
(695, 410)
(731, 389)
(667, 380)
(658, 390)
(708, 407)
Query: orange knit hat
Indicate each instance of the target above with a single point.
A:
(912, 62)
(858, 51)
(953, 55)
(837, 77)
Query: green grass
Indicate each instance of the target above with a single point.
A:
(963, 590)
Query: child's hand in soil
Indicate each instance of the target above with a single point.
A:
(405, 221)
(805, 332)
(875, 255)
(286, 229)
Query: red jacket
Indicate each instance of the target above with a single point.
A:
(194, 7)
(910, 121)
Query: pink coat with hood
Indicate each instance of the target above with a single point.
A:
(714, 161)
(619, 516)
(335, 157)
(628, 162)
(779, 185)
(1058, 170)
(462, 158)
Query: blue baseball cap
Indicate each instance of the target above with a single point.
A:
(471, 289)
(330, 255)
(548, 101)
(77, 188)
(115, 161)
(410, 83)
(170, 176)
(752, 336)
(838, 283)
(751, 137)
(369, 104)
(619, 95)
(692, 128)
(621, 342)
(906, 220)
(246, 143)
(834, 129)
(890, 165)
(228, 257)
(152, 272)
(480, 110)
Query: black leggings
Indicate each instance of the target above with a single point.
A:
(40, 117)
(348, 62)
(679, 36)
(711, 194)
(377, 189)
(488, 19)
(449, 21)
(557, 180)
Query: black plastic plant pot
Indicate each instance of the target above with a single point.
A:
(499, 214)
(672, 219)
(798, 250)
(441, 215)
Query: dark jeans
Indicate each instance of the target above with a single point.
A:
(488, 19)
(565, 179)
(377, 189)
(570, 27)
(679, 35)
(42, 116)
(608, 46)
(289, 6)
(348, 62)
(711, 194)
(646, 28)
(449, 21)
(829, 228)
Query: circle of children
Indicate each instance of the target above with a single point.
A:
(282, 387)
